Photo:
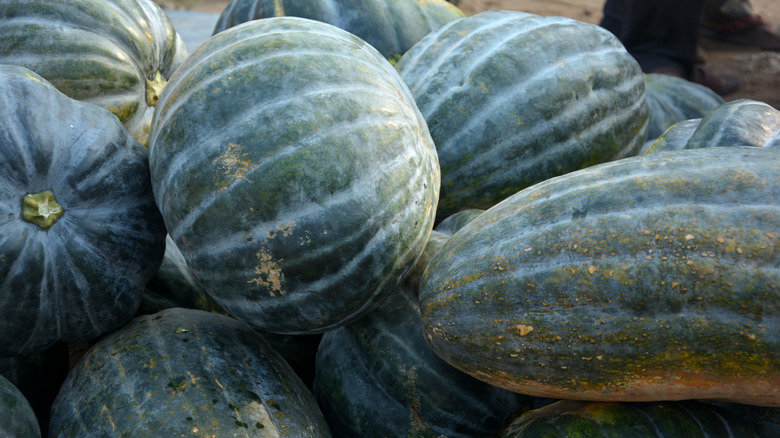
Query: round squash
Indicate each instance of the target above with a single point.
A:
(377, 377)
(512, 99)
(649, 278)
(673, 139)
(18, 418)
(184, 372)
(294, 173)
(391, 26)
(742, 122)
(672, 99)
(117, 54)
(80, 234)
(567, 418)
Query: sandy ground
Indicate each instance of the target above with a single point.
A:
(758, 70)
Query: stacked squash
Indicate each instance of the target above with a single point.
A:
(467, 243)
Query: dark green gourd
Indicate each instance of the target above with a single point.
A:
(185, 372)
(512, 99)
(80, 234)
(294, 172)
(117, 54)
(648, 278)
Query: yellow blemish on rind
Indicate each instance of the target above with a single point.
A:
(235, 164)
(285, 230)
(269, 274)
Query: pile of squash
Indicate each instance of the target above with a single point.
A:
(376, 218)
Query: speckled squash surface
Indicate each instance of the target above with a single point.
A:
(185, 372)
(672, 99)
(512, 99)
(647, 420)
(648, 278)
(377, 377)
(80, 234)
(742, 122)
(17, 418)
(294, 172)
(391, 26)
(117, 54)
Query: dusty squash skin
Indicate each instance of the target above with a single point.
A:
(294, 173)
(18, 419)
(512, 99)
(377, 377)
(117, 54)
(648, 278)
(742, 122)
(391, 26)
(80, 234)
(647, 420)
(184, 372)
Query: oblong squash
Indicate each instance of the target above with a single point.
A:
(512, 99)
(567, 418)
(649, 278)
(294, 172)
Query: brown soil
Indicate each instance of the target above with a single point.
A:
(759, 71)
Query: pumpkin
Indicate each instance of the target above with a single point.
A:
(512, 99)
(673, 139)
(741, 122)
(18, 419)
(81, 234)
(294, 172)
(644, 279)
(377, 377)
(672, 99)
(117, 54)
(391, 26)
(652, 420)
(38, 376)
(184, 372)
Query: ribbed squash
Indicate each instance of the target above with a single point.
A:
(391, 26)
(294, 173)
(672, 99)
(80, 234)
(647, 420)
(17, 419)
(117, 54)
(742, 122)
(512, 99)
(648, 278)
(184, 372)
(377, 377)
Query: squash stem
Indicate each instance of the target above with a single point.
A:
(154, 88)
(41, 209)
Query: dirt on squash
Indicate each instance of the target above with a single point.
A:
(759, 71)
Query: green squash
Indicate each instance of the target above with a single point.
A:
(391, 26)
(673, 139)
(742, 122)
(117, 54)
(81, 234)
(672, 99)
(17, 419)
(647, 278)
(512, 99)
(294, 172)
(184, 372)
(38, 376)
(377, 377)
(646, 420)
